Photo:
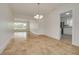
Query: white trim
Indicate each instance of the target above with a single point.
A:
(75, 43)
(52, 37)
(5, 45)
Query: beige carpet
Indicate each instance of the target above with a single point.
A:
(39, 45)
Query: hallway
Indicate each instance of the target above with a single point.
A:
(40, 45)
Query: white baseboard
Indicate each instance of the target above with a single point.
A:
(5, 45)
(52, 37)
(75, 43)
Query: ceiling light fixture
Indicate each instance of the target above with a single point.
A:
(38, 16)
(67, 13)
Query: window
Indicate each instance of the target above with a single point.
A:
(18, 25)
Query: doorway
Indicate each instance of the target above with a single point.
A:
(66, 26)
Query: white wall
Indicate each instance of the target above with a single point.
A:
(5, 23)
(36, 28)
(52, 25)
(75, 29)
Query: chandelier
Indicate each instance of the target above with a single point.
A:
(38, 16)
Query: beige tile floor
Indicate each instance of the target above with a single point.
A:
(67, 39)
(39, 45)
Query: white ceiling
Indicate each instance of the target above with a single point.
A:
(30, 9)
